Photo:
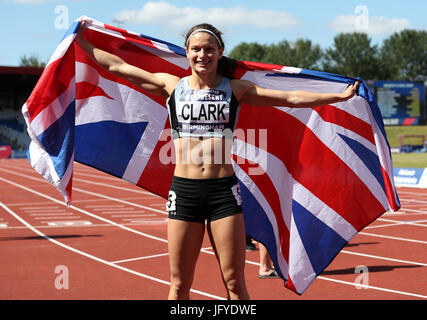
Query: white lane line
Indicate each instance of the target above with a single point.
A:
(39, 208)
(385, 258)
(133, 215)
(390, 237)
(115, 179)
(413, 222)
(372, 287)
(91, 193)
(141, 258)
(250, 262)
(142, 275)
(82, 211)
(51, 214)
(398, 223)
(119, 200)
(56, 218)
(104, 206)
(149, 257)
(114, 187)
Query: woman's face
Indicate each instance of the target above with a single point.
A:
(203, 52)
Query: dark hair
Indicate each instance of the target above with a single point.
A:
(205, 26)
(226, 66)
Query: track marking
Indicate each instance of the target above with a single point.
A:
(141, 258)
(384, 258)
(396, 223)
(142, 275)
(119, 200)
(390, 237)
(87, 192)
(414, 223)
(251, 262)
(373, 287)
(82, 211)
(411, 201)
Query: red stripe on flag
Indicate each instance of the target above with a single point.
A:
(83, 58)
(314, 165)
(85, 90)
(134, 54)
(290, 285)
(69, 188)
(158, 173)
(391, 197)
(346, 120)
(265, 185)
(54, 80)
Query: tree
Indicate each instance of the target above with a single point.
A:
(31, 61)
(405, 54)
(301, 53)
(353, 55)
(249, 52)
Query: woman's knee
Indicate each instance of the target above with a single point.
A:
(234, 280)
(180, 286)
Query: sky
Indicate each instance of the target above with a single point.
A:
(35, 27)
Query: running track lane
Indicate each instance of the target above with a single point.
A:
(114, 240)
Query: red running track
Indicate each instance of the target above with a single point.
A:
(111, 244)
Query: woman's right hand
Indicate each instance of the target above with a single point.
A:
(81, 30)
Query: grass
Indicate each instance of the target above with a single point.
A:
(393, 133)
(407, 160)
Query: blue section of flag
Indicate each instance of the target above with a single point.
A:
(71, 30)
(257, 225)
(108, 145)
(172, 47)
(320, 241)
(369, 158)
(58, 140)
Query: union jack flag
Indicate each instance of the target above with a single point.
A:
(310, 178)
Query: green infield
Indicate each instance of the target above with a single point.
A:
(409, 160)
(393, 133)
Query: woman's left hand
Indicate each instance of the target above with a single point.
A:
(350, 91)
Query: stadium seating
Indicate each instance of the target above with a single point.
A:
(13, 129)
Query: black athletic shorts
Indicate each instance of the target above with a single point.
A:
(198, 200)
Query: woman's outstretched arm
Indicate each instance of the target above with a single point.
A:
(248, 92)
(161, 84)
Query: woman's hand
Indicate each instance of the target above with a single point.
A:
(81, 30)
(350, 91)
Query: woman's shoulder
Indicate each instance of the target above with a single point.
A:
(170, 81)
(240, 87)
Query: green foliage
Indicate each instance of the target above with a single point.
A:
(402, 56)
(406, 54)
(31, 61)
(353, 55)
(301, 54)
(250, 52)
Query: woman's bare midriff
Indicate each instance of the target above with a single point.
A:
(203, 158)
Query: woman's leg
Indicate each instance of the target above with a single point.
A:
(228, 239)
(266, 267)
(184, 243)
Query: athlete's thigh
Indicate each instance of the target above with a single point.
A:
(184, 242)
(228, 238)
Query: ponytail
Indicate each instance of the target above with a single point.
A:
(226, 67)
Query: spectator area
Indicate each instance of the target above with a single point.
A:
(16, 85)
